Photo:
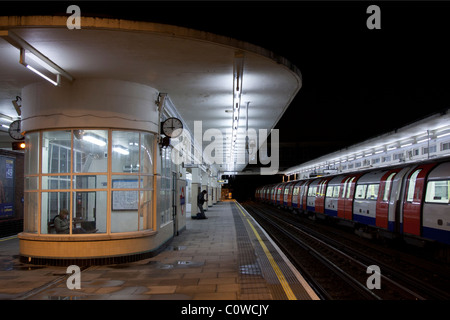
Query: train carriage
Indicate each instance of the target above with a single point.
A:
(409, 200)
(436, 206)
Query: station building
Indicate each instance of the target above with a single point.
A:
(98, 107)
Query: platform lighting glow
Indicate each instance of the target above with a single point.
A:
(443, 135)
(406, 145)
(423, 140)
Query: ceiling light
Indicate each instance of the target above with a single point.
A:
(92, 138)
(121, 150)
(24, 63)
(27, 49)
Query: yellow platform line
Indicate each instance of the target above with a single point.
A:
(287, 289)
(8, 238)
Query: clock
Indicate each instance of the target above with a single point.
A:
(172, 127)
(15, 130)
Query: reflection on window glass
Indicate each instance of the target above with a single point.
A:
(56, 151)
(125, 151)
(90, 150)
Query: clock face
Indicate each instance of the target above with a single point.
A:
(15, 130)
(172, 127)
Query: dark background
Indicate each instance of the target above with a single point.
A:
(357, 83)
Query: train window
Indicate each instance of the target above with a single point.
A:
(361, 191)
(312, 192)
(412, 185)
(387, 188)
(372, 191)
(336, 191)
(320, 189)
(438, 191)
(330, 191)
(349, 188)
(296, 191)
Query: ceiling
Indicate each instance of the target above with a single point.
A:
(194, 68)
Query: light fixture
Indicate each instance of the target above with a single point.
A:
(238, 70)
(95, 139)
(29, 67)
(121, 150)
(17, 106)
(443, 135)
(28, 50)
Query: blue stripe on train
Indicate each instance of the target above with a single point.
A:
(331, 212)
(364, 220)
(436, 234)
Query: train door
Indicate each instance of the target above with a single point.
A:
(320, 196)
(288, 194)
(304, 195)
(383, 200)
(345, 202)
(296, 197)
(413, 199)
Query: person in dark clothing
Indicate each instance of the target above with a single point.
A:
(62, 224)
(200, 201)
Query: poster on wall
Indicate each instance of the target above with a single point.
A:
(127, 199)
(6, 187)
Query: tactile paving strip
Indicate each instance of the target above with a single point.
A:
(252, 283)
(291, 287)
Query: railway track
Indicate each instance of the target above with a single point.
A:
(339, 269)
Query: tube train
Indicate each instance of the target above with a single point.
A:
(409, 200)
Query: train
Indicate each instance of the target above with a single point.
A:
(407, 201)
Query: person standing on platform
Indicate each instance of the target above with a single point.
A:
(200, 202)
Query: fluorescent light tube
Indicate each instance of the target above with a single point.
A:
(121, 150)
(94, 140)
(41, 74)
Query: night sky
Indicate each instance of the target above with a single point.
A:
(357, 83)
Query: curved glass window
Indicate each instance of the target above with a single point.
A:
(88, 181)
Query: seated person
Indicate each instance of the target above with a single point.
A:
(62, 224)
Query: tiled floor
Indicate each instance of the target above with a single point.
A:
(215, 259)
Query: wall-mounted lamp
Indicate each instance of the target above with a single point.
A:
(17, 106)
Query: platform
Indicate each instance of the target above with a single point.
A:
(226, 257)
